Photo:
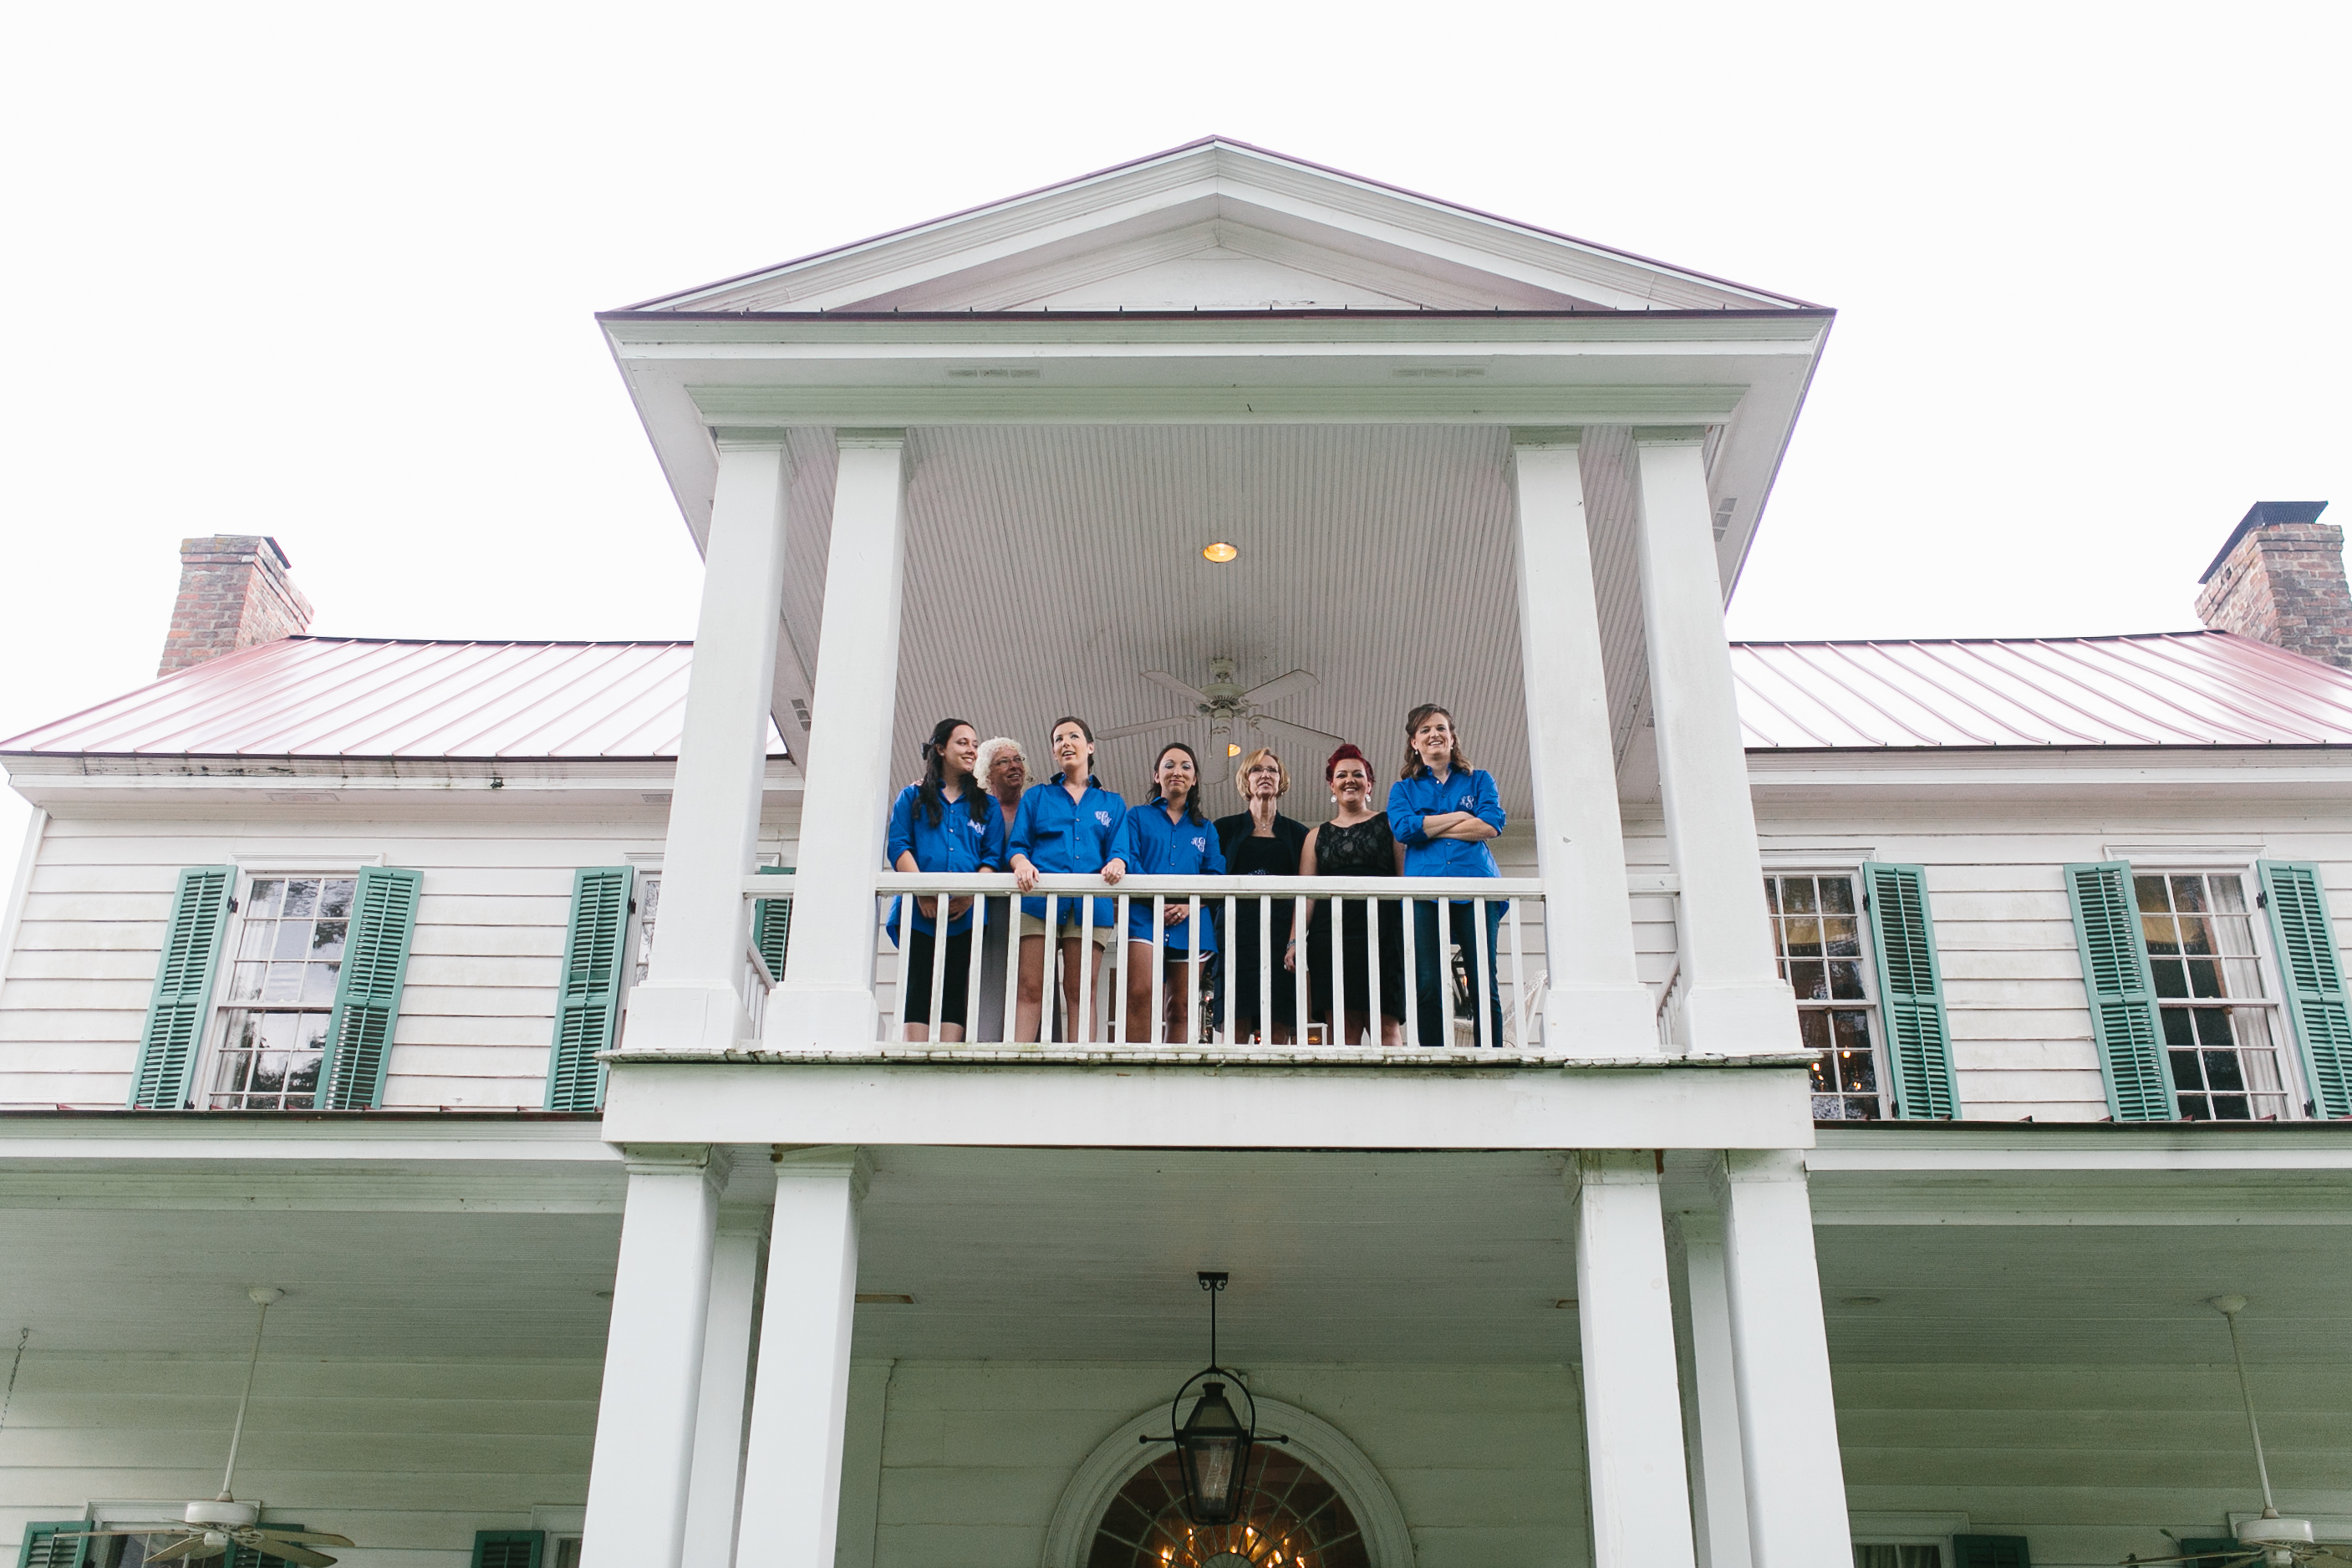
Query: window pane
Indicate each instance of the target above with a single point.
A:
(1837, 895)
(2229, 894)
(2171, 976)
(267, 892)
(335, 898)
(2160, 933)
(302, 897)
(1845, 981)
(2153, 895)
(319, 981)
(284, 982)
(245, 984)
(1842, 938)
(1773, 895)
(1798, 892)
(1805, 978)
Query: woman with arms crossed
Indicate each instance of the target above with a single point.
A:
(1443, 811)
(1064, 828)
(1167, 837)
(944, 824)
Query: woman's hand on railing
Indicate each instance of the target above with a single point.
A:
(1114, 871)
(1024, 874)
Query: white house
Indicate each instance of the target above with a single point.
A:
(1901, 1043)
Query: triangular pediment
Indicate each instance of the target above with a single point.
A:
(1220, 226)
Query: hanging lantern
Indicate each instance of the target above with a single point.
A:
(1213, 1443)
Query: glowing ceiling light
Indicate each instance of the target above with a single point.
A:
(1220, 551)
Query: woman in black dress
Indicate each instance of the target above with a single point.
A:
(1356, 842)
(1260, 842)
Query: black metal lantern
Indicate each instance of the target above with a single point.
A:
(1213, 1444)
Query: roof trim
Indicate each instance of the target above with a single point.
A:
(2262, 514)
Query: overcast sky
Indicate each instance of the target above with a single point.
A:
(326, 272)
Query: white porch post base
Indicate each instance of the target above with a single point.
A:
(1600, 1020)
(717, 1485)
(800, 1403)
(1632, 1408)
(1788, 1416)
(638, 1475)
(1718, 1473)
(1755, 1018)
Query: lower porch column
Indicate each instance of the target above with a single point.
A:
(1596, 1004)
(715, 1491)
(826, 995)
(637, 1477)
(1718, 1473)
(1736, 1003)
(799, 1401)
(1632, 1408)
(1787, 1414)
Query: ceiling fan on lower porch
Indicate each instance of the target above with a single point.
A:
(209, 1528)
(2268, 1539)
(1226, 705)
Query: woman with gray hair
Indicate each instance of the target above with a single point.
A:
(1003, 769)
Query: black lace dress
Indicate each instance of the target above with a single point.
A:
(1366, 850)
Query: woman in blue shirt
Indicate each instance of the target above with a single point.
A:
(1443, 811)
(1168, 836)
(944, 824)
(1064, 827)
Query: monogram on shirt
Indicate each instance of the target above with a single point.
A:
(1103, 817)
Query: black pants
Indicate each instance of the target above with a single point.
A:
(952, 1006)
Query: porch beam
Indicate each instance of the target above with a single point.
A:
(1218, 402)
(1596, 1004)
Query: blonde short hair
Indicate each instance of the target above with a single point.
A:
(1241, 773)
(986, 761)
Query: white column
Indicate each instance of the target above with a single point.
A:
(826, 996)
(1633, 1411)
(1597, 1005)
(717, 1488)
(1787, 1416)
(637, 1477)
(1734, 1003)
(1718, 1483)
(691, 998)
(800, 1400)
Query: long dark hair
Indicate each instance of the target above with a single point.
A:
(932, 794)
(1192, 795)
(1414, 767)
(1084, 729)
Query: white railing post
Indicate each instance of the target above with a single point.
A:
(826, 996)
(1735, 1003)
(689, 999)
(1596, 1004)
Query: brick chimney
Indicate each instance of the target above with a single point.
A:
(2279, 580)
(234, 592)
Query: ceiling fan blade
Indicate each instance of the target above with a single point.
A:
(174, 1528)
(315, 1537)
(1298, 729)
(1167, 682)
(177, 1551)
(276, 1547)
(1125, 730)
(1283, 686)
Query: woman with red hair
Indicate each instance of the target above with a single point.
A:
(1356, 842)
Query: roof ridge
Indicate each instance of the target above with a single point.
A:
(1949, 642)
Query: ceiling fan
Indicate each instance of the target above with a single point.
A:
(208, 1529)
(2267, 1540)
(1226, 705)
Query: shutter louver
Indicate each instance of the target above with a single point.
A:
(509, 1548)
(588, 992)
(1990, 1552)
(2313, 975)
(367, 997)
(177, 1012)
(2121, 993)
(771, 926)
(1911, 992)
(45, 1548)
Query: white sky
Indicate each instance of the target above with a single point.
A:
(326, 272)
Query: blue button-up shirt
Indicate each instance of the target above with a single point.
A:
(958, 842)
(1153, 846)
(1064, 837)
(1412, 799)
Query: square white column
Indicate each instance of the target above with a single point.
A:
(1787, 1413)
(827, 994)
(716, 1490)
(1734, 1003)
(799, 1401)
(1632, 1408)
(1711, 1406)
(1596, 1004)
(638, 1475)
(691, 998)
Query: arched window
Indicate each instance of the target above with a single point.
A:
(1292, 1517)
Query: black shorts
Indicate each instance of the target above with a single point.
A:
(953, 1005)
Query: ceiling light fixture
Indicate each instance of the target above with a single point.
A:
(1220, 551)
(1213, 1444)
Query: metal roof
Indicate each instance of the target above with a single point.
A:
(370, 698)
(2171, 689)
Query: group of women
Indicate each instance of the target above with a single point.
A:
(974, 809)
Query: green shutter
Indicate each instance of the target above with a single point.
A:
(2121, 993)
(509, 1548)
(2209, 1552)
(43, 1546)
(367, 997)
(2314, 978)
(772, 925)
(588, 994)
(1910, 991)
(177, 1013)
(1990, 1552)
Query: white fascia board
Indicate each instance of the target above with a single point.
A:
(131, 1139)
(2026, 772)
(1957, 1150)
(315, 788)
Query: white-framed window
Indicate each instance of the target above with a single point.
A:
(1824, 955)
(647, 900)
(276, 990)
(2215, 997)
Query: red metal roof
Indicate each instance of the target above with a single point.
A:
(352, 697)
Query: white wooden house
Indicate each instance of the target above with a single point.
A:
(1905, 1041)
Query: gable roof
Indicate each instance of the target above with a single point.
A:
(1318, 238)
(366, 698)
